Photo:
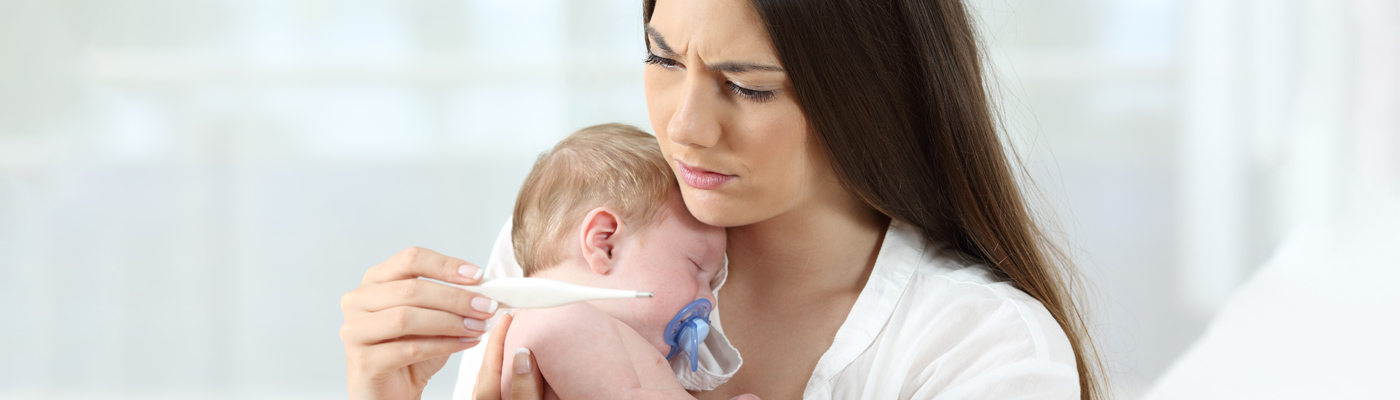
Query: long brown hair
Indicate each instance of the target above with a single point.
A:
(894, 91)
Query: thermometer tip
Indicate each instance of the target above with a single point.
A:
(644, 295)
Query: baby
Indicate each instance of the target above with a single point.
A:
(603, 209)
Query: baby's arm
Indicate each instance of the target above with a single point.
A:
(582, 355)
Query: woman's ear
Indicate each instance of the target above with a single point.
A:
(600, 230)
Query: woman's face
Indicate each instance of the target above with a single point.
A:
(724, 111)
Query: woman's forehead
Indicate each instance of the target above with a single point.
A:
(717, 30)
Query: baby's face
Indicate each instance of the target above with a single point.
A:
(676, 258)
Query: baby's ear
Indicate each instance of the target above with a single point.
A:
(600, 230)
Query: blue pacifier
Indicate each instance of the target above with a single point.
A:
(688, 329)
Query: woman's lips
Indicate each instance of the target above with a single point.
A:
(700, 178)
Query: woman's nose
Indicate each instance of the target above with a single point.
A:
(695, 123)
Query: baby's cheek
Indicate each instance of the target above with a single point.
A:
(671, 297)
(680, 292)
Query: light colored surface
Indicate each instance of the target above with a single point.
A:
(1319, 321)
(188, 186)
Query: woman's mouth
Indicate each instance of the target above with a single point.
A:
(701, 178)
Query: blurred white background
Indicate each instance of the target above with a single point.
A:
(187, 187)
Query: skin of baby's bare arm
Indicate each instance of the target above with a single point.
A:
(584, 353)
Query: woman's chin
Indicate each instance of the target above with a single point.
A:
(715, 209)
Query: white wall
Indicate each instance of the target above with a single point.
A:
(187, 187)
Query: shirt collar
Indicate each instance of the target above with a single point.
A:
(900, 253)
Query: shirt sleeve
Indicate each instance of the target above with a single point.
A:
(501, 263)
(1014, 350)
(1030, 379)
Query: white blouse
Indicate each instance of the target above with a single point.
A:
(926, 326)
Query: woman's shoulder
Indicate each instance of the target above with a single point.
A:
(931, 323)
(960, 301)
(940, 285)
(949, 293)
(951, 326)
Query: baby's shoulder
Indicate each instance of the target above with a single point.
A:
(556, 320)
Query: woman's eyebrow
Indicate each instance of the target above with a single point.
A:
(660, 42)
(739, 67)
(733, 67)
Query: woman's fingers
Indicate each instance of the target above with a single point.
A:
(528, 383)
(403, 352)
(399, 329)
(397, 322)
(417, 293)
(488, 378)
(416, 262)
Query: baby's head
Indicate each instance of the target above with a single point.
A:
(603, 209)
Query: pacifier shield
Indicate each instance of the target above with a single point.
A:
(688, 329)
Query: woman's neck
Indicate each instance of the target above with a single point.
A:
(820, 249)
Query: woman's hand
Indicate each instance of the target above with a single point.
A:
(527, 384)
(399, 330)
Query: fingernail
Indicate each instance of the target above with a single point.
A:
(470, 271)
(511, 312)
(465, 339)
(484, 305)
(522, 361)
(474, 324)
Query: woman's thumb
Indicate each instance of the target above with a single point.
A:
(528, 383)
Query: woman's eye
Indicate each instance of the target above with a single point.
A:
(758, 96)
(663, 62)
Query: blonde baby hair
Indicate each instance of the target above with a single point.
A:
(610, 165)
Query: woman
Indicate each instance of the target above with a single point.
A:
(878, 244)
